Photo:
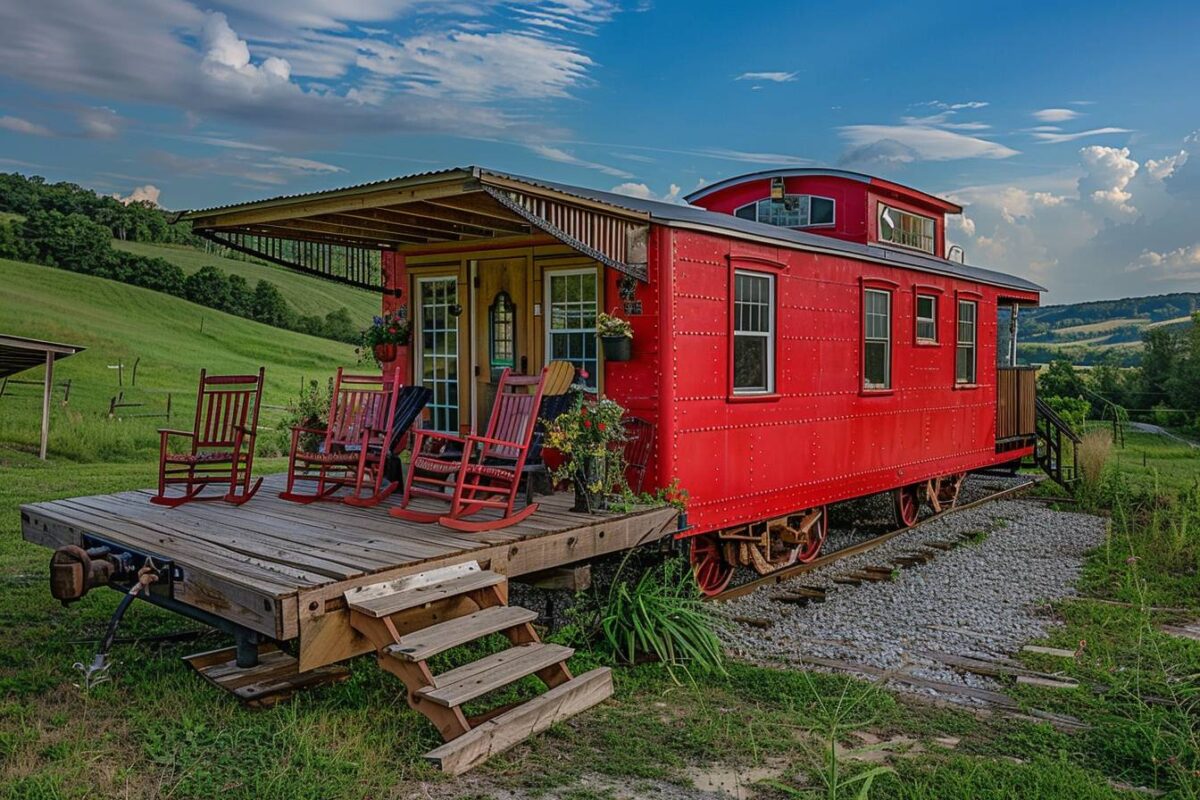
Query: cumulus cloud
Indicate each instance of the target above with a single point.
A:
(1106, 181)
(774, 77)
(141, 194)
(1182, 263)
(644, 192)
(1163, 168)
(1054, 114)
(22, 125)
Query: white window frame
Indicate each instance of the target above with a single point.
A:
(884, 207)
(919, 319)
(419, 341)
(808, 198)
(887, 359)
(769, 335)
(972, 345)
(548, 277)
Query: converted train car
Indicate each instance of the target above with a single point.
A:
(801, 336)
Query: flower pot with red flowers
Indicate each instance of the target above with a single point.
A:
(588, 439)
(616, 337)
(384, 338)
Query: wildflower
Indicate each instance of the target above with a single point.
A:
(1132, 560)
(601, 426)
(587, 423)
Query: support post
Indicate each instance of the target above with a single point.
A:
(47, 389)
(1012, 335)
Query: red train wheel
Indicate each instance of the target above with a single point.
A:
(711, 570)
(908, 505)
(814, 535)
(949, 488)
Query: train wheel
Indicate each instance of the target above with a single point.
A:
(815, 530)
(949, 488)
(709, 567)
(907, 500)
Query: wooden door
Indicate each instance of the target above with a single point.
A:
(501, 328)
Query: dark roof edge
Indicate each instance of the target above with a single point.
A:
(789, 172)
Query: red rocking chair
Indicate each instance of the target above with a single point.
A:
(222, 442)
(354, 447)
(476, 473)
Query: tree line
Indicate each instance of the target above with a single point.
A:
(66, 226)
(1163, 389)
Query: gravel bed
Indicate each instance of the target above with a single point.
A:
(991, 591)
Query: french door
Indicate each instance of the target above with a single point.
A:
(438, 348)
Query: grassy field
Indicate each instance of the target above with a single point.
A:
(305, 294)
(157, 731)
(169, 339)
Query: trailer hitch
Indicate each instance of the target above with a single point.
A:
(97, 672)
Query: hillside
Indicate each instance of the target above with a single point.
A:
(306, 294)
(1088, 332)
(118, 323)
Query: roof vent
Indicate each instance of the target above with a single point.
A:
(955, 253)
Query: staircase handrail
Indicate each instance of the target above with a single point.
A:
(1052, 416)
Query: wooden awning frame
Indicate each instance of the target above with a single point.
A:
(338, 234)
(18, 353)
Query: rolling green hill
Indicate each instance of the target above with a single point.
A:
(1087, 332)
(307, 295)
(118, 323)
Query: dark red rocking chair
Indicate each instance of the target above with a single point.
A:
(354, 443)
(476, 473)
(222, 442)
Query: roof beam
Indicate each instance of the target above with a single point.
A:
(496, 221)
(479, 205)
(355, 232)
(279, 232)
(378, 227)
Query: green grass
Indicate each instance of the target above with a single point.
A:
(118, 323)
(307, 295)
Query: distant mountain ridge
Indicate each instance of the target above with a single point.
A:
(1087, 333)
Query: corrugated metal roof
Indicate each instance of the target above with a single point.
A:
(680, 215)
(791, 172)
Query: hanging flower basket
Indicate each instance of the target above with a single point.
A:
(585, 441)
(384, 338)
(386, 353)
(616, 337)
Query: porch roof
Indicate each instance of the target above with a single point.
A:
(476, 204)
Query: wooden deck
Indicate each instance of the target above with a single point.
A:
(280, 568)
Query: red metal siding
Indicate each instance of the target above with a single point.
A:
(819, 438)
(849, 196)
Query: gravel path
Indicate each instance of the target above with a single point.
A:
(990, 592)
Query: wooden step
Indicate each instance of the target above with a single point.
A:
(476, 679)
(420, 645)
(502, 732)
(414, 591)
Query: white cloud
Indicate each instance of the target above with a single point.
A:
(1055, 138)
(141, 194)
(100, 122)
(644, 192)
(21, 125)
(305, 165)
(773, 159)
(1163, 168)
(1054, 115)
(968, 105)
(919, 142)
(563, 157)
(1178, 264)
(775, 77)
(1109, 171)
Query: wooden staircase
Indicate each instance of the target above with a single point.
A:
(412, 619)
(1060, 462)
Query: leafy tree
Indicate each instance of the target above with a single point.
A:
(241, 298)
(208, 286)
(70, 241)
(1059, 380)
(340, 327)
(1160, 361)
(269, 306)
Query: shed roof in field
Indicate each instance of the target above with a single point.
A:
(474, 203)
(18, 353)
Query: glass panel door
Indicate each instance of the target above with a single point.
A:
(437, 362)
(571, 299)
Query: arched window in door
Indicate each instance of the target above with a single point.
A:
(502, 334)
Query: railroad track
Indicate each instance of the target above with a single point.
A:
(864, 546)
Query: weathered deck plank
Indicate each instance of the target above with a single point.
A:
(280, 568)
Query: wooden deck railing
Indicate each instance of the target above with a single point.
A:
(1016, 394)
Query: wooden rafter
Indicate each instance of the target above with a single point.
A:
(372, 221)
(509, 223)
(349, 232)
(442, 220)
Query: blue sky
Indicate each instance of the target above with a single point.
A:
(1068, 130)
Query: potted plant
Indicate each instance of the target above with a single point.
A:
(586, 436)
(616, 336)
(385, 336)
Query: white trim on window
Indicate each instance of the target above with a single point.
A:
(748, 322)
(807, 208)
(877, 330)
(924, 240)
(444, 416)
(591, 363)
(931, 335)
(966, 343)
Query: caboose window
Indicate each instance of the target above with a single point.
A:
(791, 211)
(572, 299)
(753, 333)
(926, 318)
(905, 229)
(964, 362)
(877, 339)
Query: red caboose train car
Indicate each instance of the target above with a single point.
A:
(800, 336)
